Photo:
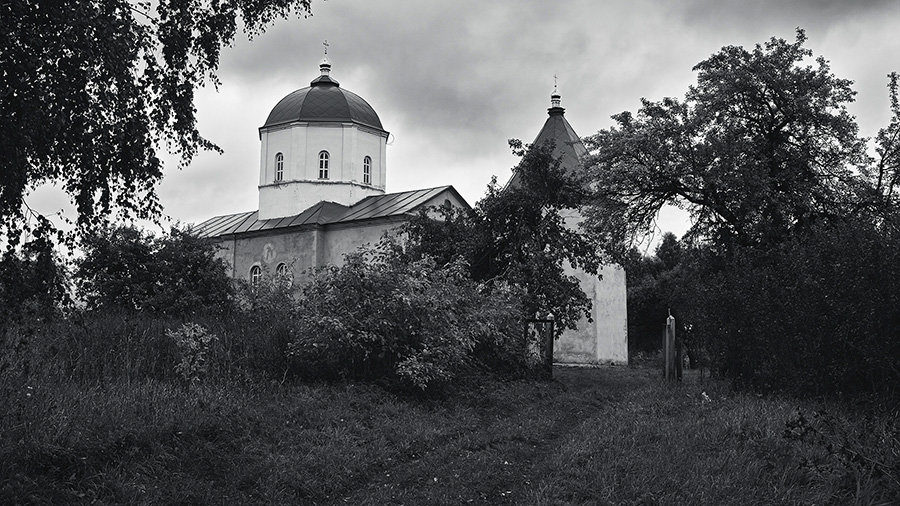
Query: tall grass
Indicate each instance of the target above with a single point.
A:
(102, 347)
(617, 436)
(93, 410)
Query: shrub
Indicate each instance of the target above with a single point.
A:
(408, 323)
(176, 274)
(194, 344)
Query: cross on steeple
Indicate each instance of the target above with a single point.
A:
(325, 43)
(554, 97)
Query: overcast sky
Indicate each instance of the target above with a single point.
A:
(453, 80)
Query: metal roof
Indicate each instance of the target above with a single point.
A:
(325, 213)
(567, 144)
(323, 100)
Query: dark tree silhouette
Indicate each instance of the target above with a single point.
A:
(91, 90)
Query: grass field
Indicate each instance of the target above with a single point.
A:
(591, 436)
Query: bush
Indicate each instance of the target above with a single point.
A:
(820, 314)
(176, 274)
(194, 344)
(406, 323)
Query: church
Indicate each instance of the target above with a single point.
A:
(322, 174)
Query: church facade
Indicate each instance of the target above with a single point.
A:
(322, 195)
(321, 187)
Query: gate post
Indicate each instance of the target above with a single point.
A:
(550, 331)
(669, 348)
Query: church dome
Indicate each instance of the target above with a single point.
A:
(324, 101)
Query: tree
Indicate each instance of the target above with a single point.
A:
(518, 236)
(177, 273)
(761, 147)
(787, 278)
(653, 282)
(33, 283)
(91, 90)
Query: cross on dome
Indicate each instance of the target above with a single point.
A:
(325, 67)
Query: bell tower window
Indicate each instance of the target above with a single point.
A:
(279, 167)
(367, 170)
(323, 165)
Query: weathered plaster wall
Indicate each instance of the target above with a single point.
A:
(307, 247)
(605, 340)
(225, 252)
(295, 248)
(348, 239)
(611, 315)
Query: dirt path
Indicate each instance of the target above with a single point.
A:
(501, 458)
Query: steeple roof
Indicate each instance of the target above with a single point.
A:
(567, 144)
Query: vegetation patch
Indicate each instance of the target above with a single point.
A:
(592, 435)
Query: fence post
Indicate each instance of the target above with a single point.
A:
(669, 348)
(549, 332)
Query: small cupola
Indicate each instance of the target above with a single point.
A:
(555, 100)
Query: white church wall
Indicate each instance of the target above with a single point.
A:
(579, 345)
(440, 199)
(288, 199)
(348, 156)
(371, 145)
(348, 239)
(611, 315)
(301, 188)
(274, 142)
(294, 167)
(324, 137)
(605, 339)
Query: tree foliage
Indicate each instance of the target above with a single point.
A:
(520, 235)
(91, 90)
(177, 273)
(653, 283)
(787, 278)
(818, 314)
(761, 147)
(33, 283)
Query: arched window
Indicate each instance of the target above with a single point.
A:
(323, 164)
(279, 167)
(255, 276)
(283, 275)
(367, 170)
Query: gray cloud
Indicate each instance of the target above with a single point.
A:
(453, 80)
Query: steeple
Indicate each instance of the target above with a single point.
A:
(566, 143)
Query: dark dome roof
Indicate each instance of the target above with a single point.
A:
(324, 100)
